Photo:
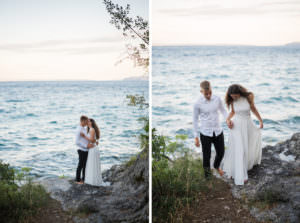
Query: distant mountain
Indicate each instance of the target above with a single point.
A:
(293, 44)
(137, 78)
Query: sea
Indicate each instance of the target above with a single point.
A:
(39, 119)
(271, 73)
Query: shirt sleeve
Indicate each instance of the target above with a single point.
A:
(79, 142)
(195, 120)
(222, 109)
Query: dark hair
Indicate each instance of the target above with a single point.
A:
(236, 89)
(95, 126)
(83, 118)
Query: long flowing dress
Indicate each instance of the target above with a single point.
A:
(244, 145)
(93, 175)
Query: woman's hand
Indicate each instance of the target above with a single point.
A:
(229, 123)
(261, 124)
(82, 134)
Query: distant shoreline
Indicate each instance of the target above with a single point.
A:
(288, 45)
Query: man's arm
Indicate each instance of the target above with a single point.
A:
(195, 124)
(223, 110)
(78, 142)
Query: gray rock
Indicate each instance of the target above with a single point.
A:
(275, 182)
(125, 200)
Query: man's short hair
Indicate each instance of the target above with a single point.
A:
(205, 85)
(83, 118)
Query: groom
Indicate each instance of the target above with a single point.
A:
(83, 146)
(206, 109)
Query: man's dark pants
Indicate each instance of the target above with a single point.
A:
(81, 165)
(206, 142)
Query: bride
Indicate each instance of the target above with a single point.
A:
(244, 146)
(93, 174)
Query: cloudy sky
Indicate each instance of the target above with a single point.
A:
(249, 22)
(62, 40)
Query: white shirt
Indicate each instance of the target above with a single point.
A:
(207, 111)
(81, 142)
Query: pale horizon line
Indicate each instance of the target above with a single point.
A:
(224, 44)
(139, 78)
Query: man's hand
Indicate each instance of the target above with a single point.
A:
(197, 143)
(82, 134)
(229, 124)
(89, 146)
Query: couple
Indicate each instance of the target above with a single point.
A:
(87, 136)
(244, 146)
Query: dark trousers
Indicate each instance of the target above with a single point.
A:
(206, 142)
(81, 165)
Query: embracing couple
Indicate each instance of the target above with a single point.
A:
(244, 143)
(87, 137)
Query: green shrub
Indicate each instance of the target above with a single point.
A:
(177, 178)
(19, 197)
(271, 196)
(131, 161)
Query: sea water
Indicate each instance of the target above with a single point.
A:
(39, 119)
(271, 73)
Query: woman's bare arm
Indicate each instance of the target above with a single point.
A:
(228, 120)
(92, 136)
(254, 110)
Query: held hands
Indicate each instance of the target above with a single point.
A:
(229, 123)
(197, 143)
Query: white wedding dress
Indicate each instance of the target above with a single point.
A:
(93, 175)
(244, 145)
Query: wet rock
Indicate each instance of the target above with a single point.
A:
(125, 200)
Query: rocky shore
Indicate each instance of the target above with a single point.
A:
(125, 200)
(273, 190)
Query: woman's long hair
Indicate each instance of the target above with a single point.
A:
(95, 126)
(236, 89)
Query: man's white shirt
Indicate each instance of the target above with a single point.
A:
(208, 113)
(81, 142)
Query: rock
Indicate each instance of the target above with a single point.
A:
(125, 200)
(275, 182)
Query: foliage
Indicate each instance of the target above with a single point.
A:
(164, 148)
(144, 135)
(135, 30)
(20, 199)
(177, 178)
(137, 100)
(131, 161)
(267, 198)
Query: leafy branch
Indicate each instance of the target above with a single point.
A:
(133, 29)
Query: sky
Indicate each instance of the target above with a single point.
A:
(217, 22)
(63, 40)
